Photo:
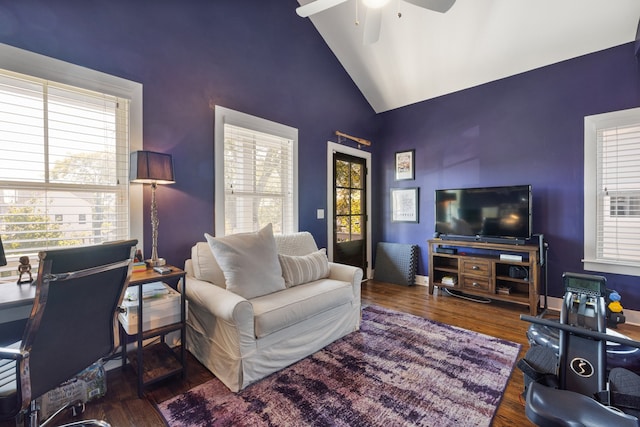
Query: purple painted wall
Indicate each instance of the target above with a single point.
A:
(253, 56)
(259, 57)
(525, 129)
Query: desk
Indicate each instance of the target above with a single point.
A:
(15, 307)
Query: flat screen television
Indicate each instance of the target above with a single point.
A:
(489, 214)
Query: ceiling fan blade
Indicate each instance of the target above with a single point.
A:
(373, 20)
(436, 5)
(317, 6)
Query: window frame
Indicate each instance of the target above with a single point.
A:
(592, 124)
(47, 68)
(227, 116)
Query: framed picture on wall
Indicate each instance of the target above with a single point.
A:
(404, 205)
(405, 165)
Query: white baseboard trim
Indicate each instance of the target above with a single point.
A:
(421, 280)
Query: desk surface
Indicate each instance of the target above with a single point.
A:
(13, 295)
(150, 275)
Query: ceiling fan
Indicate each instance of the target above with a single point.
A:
(373, 13)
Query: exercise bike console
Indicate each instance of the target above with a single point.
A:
(585, 284)
(580, 357)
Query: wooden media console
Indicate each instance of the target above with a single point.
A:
(497, 271)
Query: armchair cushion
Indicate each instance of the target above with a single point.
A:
(249, 262)
(297, 270)
(281, 310)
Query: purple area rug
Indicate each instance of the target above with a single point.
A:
(398, 370)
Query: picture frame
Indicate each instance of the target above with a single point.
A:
(404, 205)
(405, 165)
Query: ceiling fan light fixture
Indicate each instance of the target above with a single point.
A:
(375, 4)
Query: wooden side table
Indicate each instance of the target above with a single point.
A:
(160, 361)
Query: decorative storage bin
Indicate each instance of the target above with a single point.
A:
(161, 307)
(87, 385)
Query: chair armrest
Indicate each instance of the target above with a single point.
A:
(15, 375)
(347, 273)
(12, 353)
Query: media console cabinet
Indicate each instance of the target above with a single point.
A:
(490, 270)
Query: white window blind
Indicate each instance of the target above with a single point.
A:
(256, 174)
(258, 168)
(612, 192)
(618, 179)
(63, 165)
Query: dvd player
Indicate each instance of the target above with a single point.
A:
(450, 251)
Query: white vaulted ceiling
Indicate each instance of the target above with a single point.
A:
(425, 54)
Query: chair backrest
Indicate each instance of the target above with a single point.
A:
(296, 244)
(72, 323)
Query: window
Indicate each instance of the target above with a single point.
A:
(256, 174)
(612, 192)
(66, 133)
(624, 206)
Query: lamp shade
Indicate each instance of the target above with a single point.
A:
(149, 167)
(3, 259)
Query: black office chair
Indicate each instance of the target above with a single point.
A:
(71, 326)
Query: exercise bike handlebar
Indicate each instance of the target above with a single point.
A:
(580, 331)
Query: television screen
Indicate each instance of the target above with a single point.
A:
(489, 212)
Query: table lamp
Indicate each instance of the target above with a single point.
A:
(148, 167)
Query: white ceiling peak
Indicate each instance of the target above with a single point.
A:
(425, 54)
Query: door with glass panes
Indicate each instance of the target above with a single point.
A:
(349, 201)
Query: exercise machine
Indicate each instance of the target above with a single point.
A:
(574, 387)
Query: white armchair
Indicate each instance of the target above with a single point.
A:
(243, 340)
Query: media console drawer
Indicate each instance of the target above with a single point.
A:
(475, 266)
(476, 283)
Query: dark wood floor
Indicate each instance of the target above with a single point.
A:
(121, 406)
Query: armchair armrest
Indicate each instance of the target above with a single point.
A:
(231, 314)
(347, 273)
(221, 303)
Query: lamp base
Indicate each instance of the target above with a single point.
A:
(157, 263)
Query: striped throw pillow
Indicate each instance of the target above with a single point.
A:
(297, 270)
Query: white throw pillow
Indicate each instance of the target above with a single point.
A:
(249, 262)
(304, 269)
(205, 266)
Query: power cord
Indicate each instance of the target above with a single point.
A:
(544, 256)
(467, 297)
